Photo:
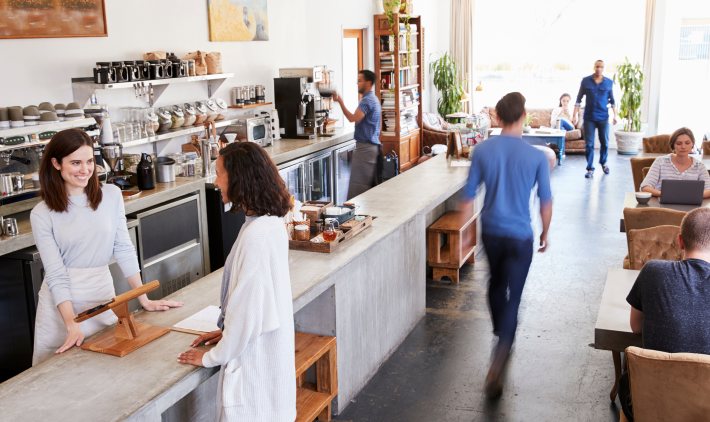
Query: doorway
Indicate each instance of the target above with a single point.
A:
(352, 64)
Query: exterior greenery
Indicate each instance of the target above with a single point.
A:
(446, 80)
(630, 79)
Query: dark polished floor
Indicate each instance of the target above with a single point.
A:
(553, 374)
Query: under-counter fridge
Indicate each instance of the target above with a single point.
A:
(294, 176)
(342, 162)
(319, 171)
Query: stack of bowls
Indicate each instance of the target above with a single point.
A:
(4, 119)
(31, 115)
(16, 117)
(73, 112)
(48, 118)
(60, 109)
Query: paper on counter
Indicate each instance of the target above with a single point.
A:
(204, 321)
(465, 163)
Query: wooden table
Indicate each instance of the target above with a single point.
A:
(630, 202)
(557, 138)
(613, 330)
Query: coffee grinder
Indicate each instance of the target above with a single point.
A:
(113, 156)
(297, 102)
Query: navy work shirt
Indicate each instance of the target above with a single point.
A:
(368, 130)
(509, 168)
(598, 96)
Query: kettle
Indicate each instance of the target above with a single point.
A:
(146, 174)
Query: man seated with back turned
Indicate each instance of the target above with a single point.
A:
(670, 300)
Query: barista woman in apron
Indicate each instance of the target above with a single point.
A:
(77, 227)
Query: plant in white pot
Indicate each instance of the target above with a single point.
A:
(630, 79)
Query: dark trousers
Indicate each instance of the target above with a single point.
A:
(510, 261)
(602, 128)
(625, 396)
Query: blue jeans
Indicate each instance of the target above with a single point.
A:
(510, 261)
(603, 128)
(566, 125)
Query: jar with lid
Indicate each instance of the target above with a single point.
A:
(191, 67)
(151, 121)
(177, 117)
(190, 116)
(164, 119)
(222, 109)
(211, 111)
(200, 112)
(157, 70)
(179, 163)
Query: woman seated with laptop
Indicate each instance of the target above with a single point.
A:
(677, 165)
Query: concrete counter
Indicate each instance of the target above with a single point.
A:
(370, 294)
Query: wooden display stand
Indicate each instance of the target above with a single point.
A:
(314, 400)
(129, 334)
(459, 229)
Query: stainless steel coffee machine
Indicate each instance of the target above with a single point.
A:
(299, 107)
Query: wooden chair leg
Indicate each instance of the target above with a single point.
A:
(617, 374)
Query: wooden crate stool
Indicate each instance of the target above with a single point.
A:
(313, 400)
(458, 228)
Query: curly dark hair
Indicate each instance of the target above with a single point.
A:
(254, 181)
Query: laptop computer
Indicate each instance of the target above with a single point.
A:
(685, 192)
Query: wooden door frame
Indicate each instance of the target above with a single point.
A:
(359, 34)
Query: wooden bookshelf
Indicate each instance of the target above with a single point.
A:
(407, 146)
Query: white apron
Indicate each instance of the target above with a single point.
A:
(89, 287)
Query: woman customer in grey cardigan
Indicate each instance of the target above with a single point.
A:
(255, 342)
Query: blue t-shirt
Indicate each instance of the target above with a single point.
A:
(368, 130)
(509, 168)
(675, 300)
(598, 97)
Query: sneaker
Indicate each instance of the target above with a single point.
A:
(606, 170)
(493, 387)
(589, 175)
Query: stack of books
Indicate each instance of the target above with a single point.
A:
(410, 121)
(388, 100)
(389, 123)
(387, 62)
(406, 98)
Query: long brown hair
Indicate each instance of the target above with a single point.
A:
(52, 189)
(564, 95)
(254, 181)
(677, 133)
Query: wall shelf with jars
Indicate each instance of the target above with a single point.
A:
(84, 88)
(174, 133)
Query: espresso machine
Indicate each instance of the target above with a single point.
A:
(299, 107)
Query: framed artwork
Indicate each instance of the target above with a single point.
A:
(52, 18)
(238, 20)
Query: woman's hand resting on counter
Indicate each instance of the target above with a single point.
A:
(158, 305)
(210, 338)
(194, 357)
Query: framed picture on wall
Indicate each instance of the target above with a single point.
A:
(238, 20)
(52, 18)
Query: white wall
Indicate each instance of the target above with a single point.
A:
(301, 33)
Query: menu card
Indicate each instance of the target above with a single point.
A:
(202, 322)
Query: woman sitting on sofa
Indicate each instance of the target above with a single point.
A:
(562, 112)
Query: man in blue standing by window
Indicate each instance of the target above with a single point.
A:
(509, 168)
(600, 93)
(367, 119)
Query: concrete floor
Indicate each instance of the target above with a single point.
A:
(553, 374)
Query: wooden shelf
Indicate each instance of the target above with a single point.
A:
(309, 404)
(409, 106)
(250, 105)
(409, 51)
(404, 88)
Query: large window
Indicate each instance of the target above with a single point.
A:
(544, 49)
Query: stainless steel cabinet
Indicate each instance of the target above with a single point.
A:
(294, 176)
(342, 161)
(319, 178)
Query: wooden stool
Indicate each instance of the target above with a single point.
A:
(459, 230)
(314, 400)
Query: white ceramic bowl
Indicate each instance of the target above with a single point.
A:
(643, 197)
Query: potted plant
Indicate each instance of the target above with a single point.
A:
(392, 6)
(446, 80)
(630, 79)
(529, 117)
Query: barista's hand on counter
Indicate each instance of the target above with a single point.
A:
(74, 337)
(158, 305)
(210, 338)
(192, 357)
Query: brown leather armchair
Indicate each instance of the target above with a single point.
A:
(657, 144)
(574, 139)
(653, 243)
(644, 218)
(434, 130)
(637, 166)
(668, 386)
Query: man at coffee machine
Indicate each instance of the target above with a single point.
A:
(367, 119)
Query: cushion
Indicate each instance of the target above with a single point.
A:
(542, 117)
(657, 144)
(574, 145)
(490, 112)
(653, 243)
(573, 135)
(433, 121)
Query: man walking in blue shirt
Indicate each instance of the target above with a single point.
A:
(509, 168)
(367, 119)
(600, 93)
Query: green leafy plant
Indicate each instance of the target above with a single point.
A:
(529, 117)
(630, 79)
(446, 80)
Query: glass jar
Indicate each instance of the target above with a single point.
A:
(189, 168)
(200, 112)
(165, 119)
(211, 111)
(151, 121)
(190, 116)
(177, 117)
(191, 67)
(179, 163)
(222, 109)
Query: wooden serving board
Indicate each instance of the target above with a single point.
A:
(313, 216)
(111, 345)
(329, 247)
